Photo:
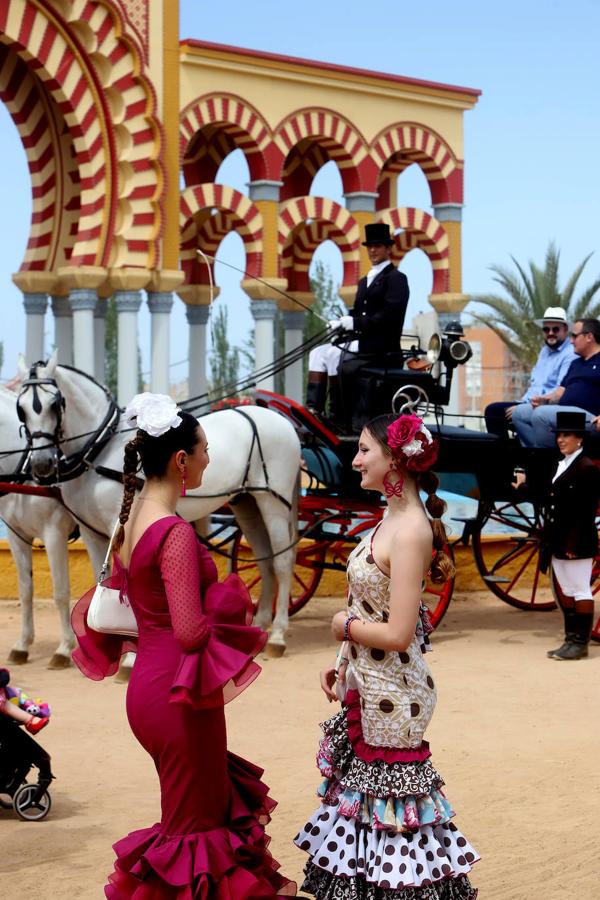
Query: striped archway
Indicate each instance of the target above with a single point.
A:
(401, 145)
(308, 139)
(86, 74)
(50, 156)
(415, 229)
(215, 125)
(209, 212)
(304, 223)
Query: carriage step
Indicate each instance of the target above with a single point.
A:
(496, 579)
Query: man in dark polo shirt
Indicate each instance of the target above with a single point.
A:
(579, 390)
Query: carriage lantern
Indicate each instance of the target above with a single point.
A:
(452, 350)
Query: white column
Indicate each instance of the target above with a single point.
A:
(63, 329)
(160, 304)
(83, 303)
(100, 340)
(128, 304)
(197, 317)
(293, 323)
(264, 312)
(35, 310)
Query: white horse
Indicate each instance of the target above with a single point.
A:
(255, 456)
(28, 517)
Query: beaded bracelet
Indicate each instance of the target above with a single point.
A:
(347, 624)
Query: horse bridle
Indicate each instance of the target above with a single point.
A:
(58, 406)
(75, 464)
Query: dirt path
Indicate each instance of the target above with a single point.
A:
(516, 736)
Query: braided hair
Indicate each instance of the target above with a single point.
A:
(152, 455)
(442, 568)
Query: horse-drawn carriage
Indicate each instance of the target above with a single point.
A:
(331, 514)
(503, 530)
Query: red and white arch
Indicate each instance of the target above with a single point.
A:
(209, 212)
(399, 146)
(212, 127)
(415, 229)
(84, 82)
(308, 139)
(304, 223)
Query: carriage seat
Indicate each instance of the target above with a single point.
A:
(458, 433)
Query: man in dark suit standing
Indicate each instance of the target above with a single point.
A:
(376, 320)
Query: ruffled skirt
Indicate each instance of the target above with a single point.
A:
(228, 863)
(383, 830)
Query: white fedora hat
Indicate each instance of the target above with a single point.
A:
(553, 314)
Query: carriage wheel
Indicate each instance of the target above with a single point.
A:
(556, 590)
(437, 597)
(25, 809)
(509, 561)
(306, 576)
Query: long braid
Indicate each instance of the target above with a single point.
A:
(442, 567)
(130, 469)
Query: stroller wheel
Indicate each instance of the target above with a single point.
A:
(25, 809)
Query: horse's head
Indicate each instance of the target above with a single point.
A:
(40, 408)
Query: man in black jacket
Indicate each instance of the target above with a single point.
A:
(376, 320)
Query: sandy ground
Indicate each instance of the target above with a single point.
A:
(515, 735)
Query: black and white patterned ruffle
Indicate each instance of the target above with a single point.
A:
(327, 887)
(336, 759)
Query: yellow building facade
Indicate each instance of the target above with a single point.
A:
(115, 112)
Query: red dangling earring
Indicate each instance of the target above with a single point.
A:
(393, 488)
(182, 492)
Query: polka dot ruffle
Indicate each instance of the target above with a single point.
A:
(346, 849)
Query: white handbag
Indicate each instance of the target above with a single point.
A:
(109, 611)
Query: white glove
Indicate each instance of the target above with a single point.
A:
(344, 323)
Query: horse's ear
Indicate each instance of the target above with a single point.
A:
(51, 364)
(22, 365)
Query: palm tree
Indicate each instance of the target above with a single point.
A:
(529, 294)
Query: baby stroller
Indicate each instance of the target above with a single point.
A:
(19, 753)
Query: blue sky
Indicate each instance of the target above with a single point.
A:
(530, 144)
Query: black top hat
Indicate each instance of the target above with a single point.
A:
(378, 233)
(570, 422)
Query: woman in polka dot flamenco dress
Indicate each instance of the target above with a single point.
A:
(384, 830)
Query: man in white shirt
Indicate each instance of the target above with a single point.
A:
(376, 319)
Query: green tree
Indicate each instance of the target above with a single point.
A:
(224, 359)
(527, 293)
(326, 304)
(111, 347)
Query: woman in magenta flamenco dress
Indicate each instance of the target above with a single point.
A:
(195, 652)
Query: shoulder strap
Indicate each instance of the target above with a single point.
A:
(104, 568)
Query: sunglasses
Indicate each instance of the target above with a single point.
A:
(552, 329)
(575, 334)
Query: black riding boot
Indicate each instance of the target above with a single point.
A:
(316, 392)
(577, 648)
(569, 617)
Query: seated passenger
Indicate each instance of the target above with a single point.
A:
(552, 365)
(377, 318)
(579, 391)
